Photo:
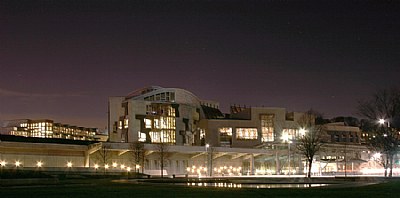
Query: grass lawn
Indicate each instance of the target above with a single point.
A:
(99, 189)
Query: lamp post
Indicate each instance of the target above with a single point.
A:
(289, 155)
(206, 160)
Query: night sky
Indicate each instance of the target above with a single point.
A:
(61, 60)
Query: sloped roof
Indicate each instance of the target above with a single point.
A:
(212, 113)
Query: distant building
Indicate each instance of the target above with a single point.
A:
(47, 129)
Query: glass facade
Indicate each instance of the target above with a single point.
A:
(48, 129)
(246, 133)
(289, 134)
(267, 127)
(160, 120)
(165, 96)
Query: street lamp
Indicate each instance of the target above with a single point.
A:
(382, 122)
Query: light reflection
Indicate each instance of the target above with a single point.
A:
(217, 185)
(221, 171)
(233, 185)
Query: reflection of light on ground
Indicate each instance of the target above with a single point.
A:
(378, 171)
(232, 185)
(218, 185)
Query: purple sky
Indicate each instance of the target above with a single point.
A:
(61, 60)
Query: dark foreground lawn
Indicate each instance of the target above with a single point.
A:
(98, 189)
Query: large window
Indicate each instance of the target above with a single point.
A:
(163, 130)
(225, 136)
(289, 134)
(267, 128)
(161, 122)
(165, 96)
(246, 133)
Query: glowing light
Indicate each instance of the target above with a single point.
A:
(207, 145)
(285, 137)
(187, 169)
(302, 131)
(137, 166)
(96, 166)
(39, 164)
(106, 166)
(69, 164)
(381, 121)
(3, 163)
(128, 169)
(17, 163)
(377, 155)
(115, 164)
(122, 166)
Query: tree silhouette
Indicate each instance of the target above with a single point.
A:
(309, 143)
(382, 110)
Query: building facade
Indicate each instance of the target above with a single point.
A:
(47, 129)
(200, 139)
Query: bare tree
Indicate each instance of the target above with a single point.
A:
(138, 154)
(104, 155)
(384, 105)
(309, 143)
(163, 155)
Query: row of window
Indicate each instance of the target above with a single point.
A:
(225, 134)
(160, 109)
(50, 130)
(165, 96)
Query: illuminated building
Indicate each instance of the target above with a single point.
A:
(202, 141)
(47, 129)
(159, 115)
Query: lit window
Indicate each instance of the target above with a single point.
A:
(142, 137)
(225, 135)
(267, 128)
(126, 123)
(120, 124)
(289, 134)
(246, 133)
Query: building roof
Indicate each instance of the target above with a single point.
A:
(212, 113)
